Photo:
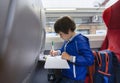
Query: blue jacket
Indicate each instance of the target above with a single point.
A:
(79, 48)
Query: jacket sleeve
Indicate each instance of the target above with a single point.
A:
(85, 55)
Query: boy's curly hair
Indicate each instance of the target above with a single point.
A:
(64, 24)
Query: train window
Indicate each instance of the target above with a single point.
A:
(87, 14)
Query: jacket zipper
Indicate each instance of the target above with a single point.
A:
(74, 71)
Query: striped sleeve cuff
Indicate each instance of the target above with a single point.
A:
(72, 59)
(59, 52)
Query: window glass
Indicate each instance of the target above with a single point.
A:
(87, 14)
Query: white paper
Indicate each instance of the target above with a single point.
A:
(56, 62)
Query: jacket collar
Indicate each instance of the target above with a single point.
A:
(73, 37)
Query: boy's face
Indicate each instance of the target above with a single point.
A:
(65, 36)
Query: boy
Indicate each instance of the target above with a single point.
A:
(76, 50)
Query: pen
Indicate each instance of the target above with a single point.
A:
(52, 45)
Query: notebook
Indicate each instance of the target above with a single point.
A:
(56, 62)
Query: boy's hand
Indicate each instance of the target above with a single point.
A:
(65, 56)
(53, 52)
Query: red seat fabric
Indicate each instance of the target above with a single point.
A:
(111, 17)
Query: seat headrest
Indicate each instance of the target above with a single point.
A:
(111, 16)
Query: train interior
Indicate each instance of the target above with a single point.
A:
(26, 33)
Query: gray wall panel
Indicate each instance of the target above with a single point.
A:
(22, 40)
(4, 7)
